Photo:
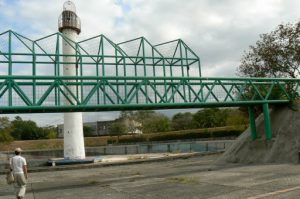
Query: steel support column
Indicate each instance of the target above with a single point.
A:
(268, 130)
(252, 122)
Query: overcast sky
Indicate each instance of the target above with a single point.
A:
(219, 31)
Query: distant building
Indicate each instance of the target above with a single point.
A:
(133, 127)
(98, 128)
(102, 127)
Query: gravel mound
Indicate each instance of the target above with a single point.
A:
(283, 148)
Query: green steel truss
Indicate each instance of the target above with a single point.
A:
(107, 73)
(129, 75)
(97, 56)
(52, 94)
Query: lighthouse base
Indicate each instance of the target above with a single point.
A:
(73, 137)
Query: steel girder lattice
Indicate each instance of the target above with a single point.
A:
(130, 75)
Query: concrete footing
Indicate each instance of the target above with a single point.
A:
(63, 161)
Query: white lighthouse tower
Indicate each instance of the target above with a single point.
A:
(69, 25)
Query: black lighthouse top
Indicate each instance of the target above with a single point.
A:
(69, 19)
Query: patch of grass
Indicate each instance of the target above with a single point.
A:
(134, 157)
(49, 144)
(93, 182)
(183, 180)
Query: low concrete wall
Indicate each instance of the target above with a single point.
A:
(38, 158)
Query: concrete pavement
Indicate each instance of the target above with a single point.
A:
(194, 177)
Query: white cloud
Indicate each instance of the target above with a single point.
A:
(218, 31)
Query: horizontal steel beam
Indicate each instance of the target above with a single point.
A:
(19, 94)
(119, 107)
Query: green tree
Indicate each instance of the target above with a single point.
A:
(156, 123)
(27, 130)
(117, 128)
(183, 121)
(5, 123)
(237, 118)
(151, 121)
(141, 116)
(276, 54)
(88, 131)
(5, 130)
(212, 117)
(49, 132)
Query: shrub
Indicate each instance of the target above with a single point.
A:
(132, 139)
(180, 135)
(5, 136)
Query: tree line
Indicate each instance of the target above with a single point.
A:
(19, 129)
(154, 122)
(129, 121)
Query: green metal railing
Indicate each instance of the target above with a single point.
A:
(129, 75)
(52, 94)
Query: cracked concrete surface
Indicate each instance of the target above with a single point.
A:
(194, 177)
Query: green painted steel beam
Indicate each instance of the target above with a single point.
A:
(252, 123)
(218, 92)
(231, 81)
(117, 107)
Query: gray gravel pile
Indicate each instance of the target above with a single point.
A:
(283, 148)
